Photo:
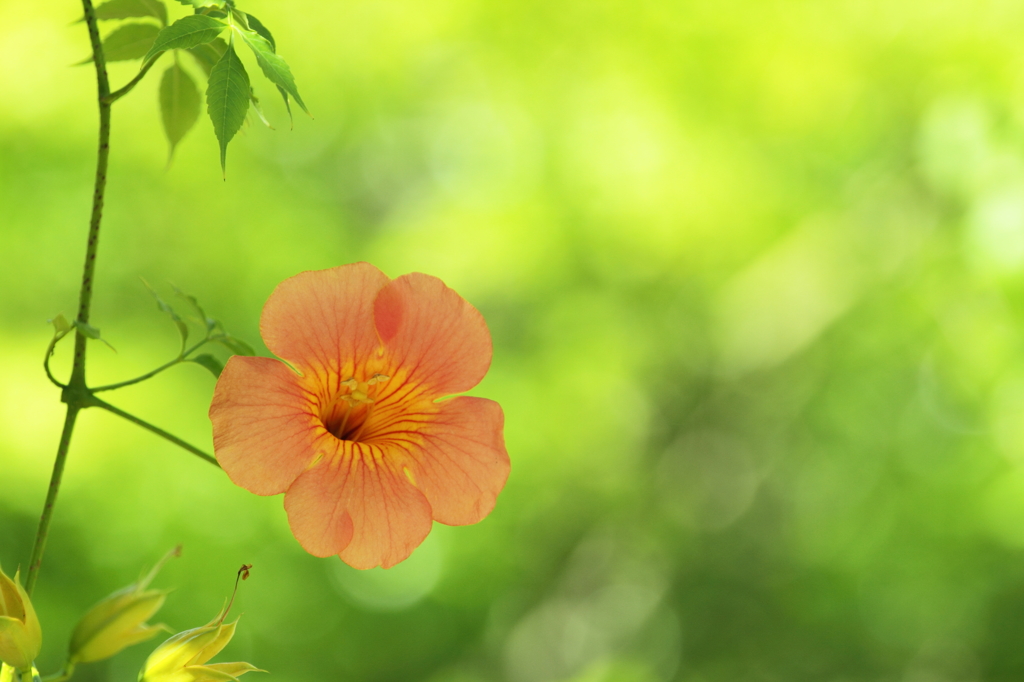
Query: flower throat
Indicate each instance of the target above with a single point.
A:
(347, 414)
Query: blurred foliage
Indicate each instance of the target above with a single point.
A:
(754, 276)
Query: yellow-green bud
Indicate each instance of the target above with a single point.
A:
(183, 657)
(119, 620)
(9, 674)
(20, 634)
(115, 623)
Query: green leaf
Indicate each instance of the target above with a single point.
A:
(208, 54)
(90, 332)
(227, 99)
(287, 105)
(186, 32)
(255, 101)
(274, 67)
(123, 9)
(208, 322)
(240, 19)
(235, 345)
(130, 41)
(202, 3)
(257, 25)
(209, 362)
(213, 11)
(179, 104)
(178, 322)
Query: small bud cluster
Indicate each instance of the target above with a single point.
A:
(115, 623)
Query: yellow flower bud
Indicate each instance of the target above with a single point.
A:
(20, 634)
(183, 657)
(119, 620)
(9, 674)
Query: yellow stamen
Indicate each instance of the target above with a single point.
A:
(359, 393)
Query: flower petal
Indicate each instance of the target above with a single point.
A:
(432, 333)
(264, 426)
(357, 502)
(322, 319)
(219, 672)
(456, 455)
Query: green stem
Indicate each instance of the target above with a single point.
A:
(118, 94)
(64, 674)
(46, 360)
(150, 375)
(157, 430)
(51, 498)
(102, 161)
(76, 393)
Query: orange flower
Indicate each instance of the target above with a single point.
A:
(354, 432)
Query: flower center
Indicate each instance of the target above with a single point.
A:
(349, 411)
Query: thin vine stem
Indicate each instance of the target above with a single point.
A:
(149, 375)
(118, 94)
(75, 394)
(65, 673)
(157, 430)
(46, 361)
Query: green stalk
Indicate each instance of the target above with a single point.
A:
(157, 430)
(76, 394)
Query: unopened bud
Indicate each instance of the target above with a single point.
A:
(119, 620)
(9, 674)
(20, 633)
(184, 657)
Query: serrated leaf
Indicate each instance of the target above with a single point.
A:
(288, 106)
(208, 322)
(209, 362)
(129, 41)
(227, 99)
(258, 26)
(274, 67)
(186, 32)
(211, 11)
(179, 104)
(235, 345)
(124, 9)
(90, 332)
(255, 101)
(240, 19)
(208, 54)
(164, 306)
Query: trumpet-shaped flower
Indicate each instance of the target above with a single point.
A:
(353, 429)
(20, 634)
(183, 657)
(119, 620)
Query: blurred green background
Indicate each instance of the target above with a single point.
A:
(755, 276)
